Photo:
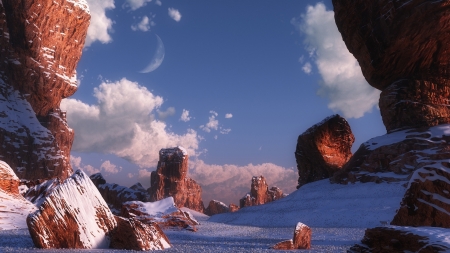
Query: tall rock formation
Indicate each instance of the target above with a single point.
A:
(323, 149)
(170, 180)
(260, 193)
(40, 44)
(403, 49)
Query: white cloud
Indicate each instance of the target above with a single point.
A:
(100, 25)
(174, 14)
(225, 130)
(229, 182)
(213, 123)
(136, 4)
(123, 123)
(158, 2)
(107, 166)
(307, 68)
(185, 116)
(343, 83)
(144, 25)
(76, 163)
(228, 116)
(162, 115)
(130, 175)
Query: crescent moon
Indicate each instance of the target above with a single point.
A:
(157, 59)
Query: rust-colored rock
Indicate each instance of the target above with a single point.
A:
(131, 234)
(115, 195)
(233, 208)
(216, 207)
(323, 149)
(9, 182)
(41, 43)
(260, 193)
(301, 240)
(392, 240)
(163, 212)
(73, 215)
(38, 191)
(170, 180)
(403, 49)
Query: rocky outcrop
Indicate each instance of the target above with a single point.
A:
(131, 234)
(9, 182)
(216, 207)
(162, 212)
(390, 240)
(170, 180)
(73, 215)
(260, 193)
(115, 195)
(233, 208)
(301, 240)
(38, 191)
(41, 43)
(323, 149)
(403, 50)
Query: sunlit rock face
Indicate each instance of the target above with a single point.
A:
(216, 207)
(260, 193)
(170, 180)
(40, 44)
(9, 182)
(301, 240)
(403, 49)
(323, 149)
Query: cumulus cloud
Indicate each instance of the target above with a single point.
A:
(122, 122)
(144, 25)
(162, 115)
(136, 4)
(100, 25)
(307, 68)
(76, 163)
(107, 166)
(342, 81)
(229, 182)
(225, 130)
(174, 14)
(228, 116)
(213, 123)
(185, 116)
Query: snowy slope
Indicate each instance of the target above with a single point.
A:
(155, 209)
(321, 204)
(14, 210)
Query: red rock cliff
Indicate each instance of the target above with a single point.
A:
(40, 44)
(260, 193)
(170, 180)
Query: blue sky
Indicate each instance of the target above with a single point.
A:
(274, 68)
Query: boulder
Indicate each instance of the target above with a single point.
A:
(131, 234)
(163, 212)
(323, 149)
(42, 43)
(233, 208)
(9, 182)
(170, 180)
(403, 49)
(260, 193)
(73, 215)
(216, 207)
(37, 192)
(301, 240)
(392, 240)
(115, 195)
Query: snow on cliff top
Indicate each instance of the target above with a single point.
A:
(321, 204)
(82, 4)
(14, 210)
(157, 208)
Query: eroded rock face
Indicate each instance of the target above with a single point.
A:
(383, 239)
(403, 50)
(233, 208)
(301, 240)
(41, 43)
(9, 182)
(115, 195)
(131, 234)
(170, 180)
(216, 207)
(73, 215)
(260, 193)
(323, 149)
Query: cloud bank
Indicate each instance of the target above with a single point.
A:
(122, 122)
(100, 25)
(342, 81)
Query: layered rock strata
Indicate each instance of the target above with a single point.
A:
(403, 50)
(40, 44)
(260, 193)
(323, 149)
(216, 207)
(301, 240)
(9, 182)
(390, 240)
(115, 195)
(170, 180)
